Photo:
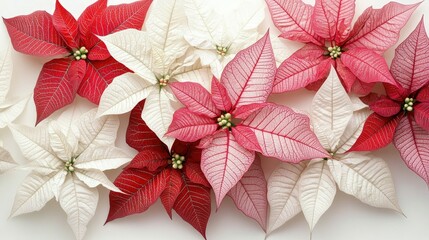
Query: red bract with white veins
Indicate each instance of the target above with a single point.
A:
(402, 115)
(85, 66)
(330, 40)
(234, 120)
(175, 177)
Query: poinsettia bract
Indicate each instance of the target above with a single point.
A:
(156, 172)
(402, 115)
(234, 120)
(330, 40)
(85, 66)
(311, 186)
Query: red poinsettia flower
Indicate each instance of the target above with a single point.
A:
(85, 66)
(234, 120)
(326, 28)
(175, 177)
(403, 115)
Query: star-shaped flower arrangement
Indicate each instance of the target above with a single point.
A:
(219, 36)
(402, 115)
(9, 110)
(234, 120)
(85, 67)
(68, 157)
(158, 56)
(156, 172)
(311, 186)
(330, 40)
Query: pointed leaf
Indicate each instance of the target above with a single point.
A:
(79, 202)
(172, 190)
(6, 161)
(250, 194)
(58, 142)
(292, 18)
(139, 136)
(248, 78)
(367, 66)
(194, 174)
(193, 205)
(246, 138)
(35, 34)
(57, 85)
(123, 94)
(283, 194)
(66, 25)
(33, 194)
(6, 68)
(306, 66)
(367, 178)
(196, 98)
(412, 143)
(158, 115)
(281, 132)
(379, 29)
(140, 189)
(99, 74)
(331, 110)
(377, 133)
(102, 158)
(93, 178)
(114, 19)
(88, 16)
(353, 130)
(409, 66)
(224, 162)
(421, 115)
(245, 111)
(423, 95)
(317, 190)
(220, 96)
(386, 107)
(11, 112)
(331, 18)
(151, 158)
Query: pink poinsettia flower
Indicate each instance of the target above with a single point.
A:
(234, 121)
(85, 67)
(403, 115)
(330, 40)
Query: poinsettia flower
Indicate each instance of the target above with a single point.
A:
(85, 67)
(68, 157)
(9, 109)
(311, 186)
(402, 115)
(219, 36)
(156, 172)
(229, 145)
(158, 56)
(330, 40)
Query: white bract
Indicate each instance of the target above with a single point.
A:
(310, 187)
(9, 110)
(219, 36)
(157, 57)
(67, 159)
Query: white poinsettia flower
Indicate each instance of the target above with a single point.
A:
(157, 57)
(310, 186)
(68, 158)
(9, 110)
(219, 35)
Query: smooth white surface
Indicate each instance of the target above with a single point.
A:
(347, 219)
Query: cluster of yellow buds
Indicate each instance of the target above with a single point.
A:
(408, 105)
(177, 161)
(163, 81)
(225, 120)
(222, 50)
(69, 165)
(82, 53)
(334, 52)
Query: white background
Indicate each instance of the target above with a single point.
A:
(347, 219)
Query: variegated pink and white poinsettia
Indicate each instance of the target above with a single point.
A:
(67, 159)
(158, 56)
(402, 115)
(330, 39)
(234, 121)
(311, 186)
